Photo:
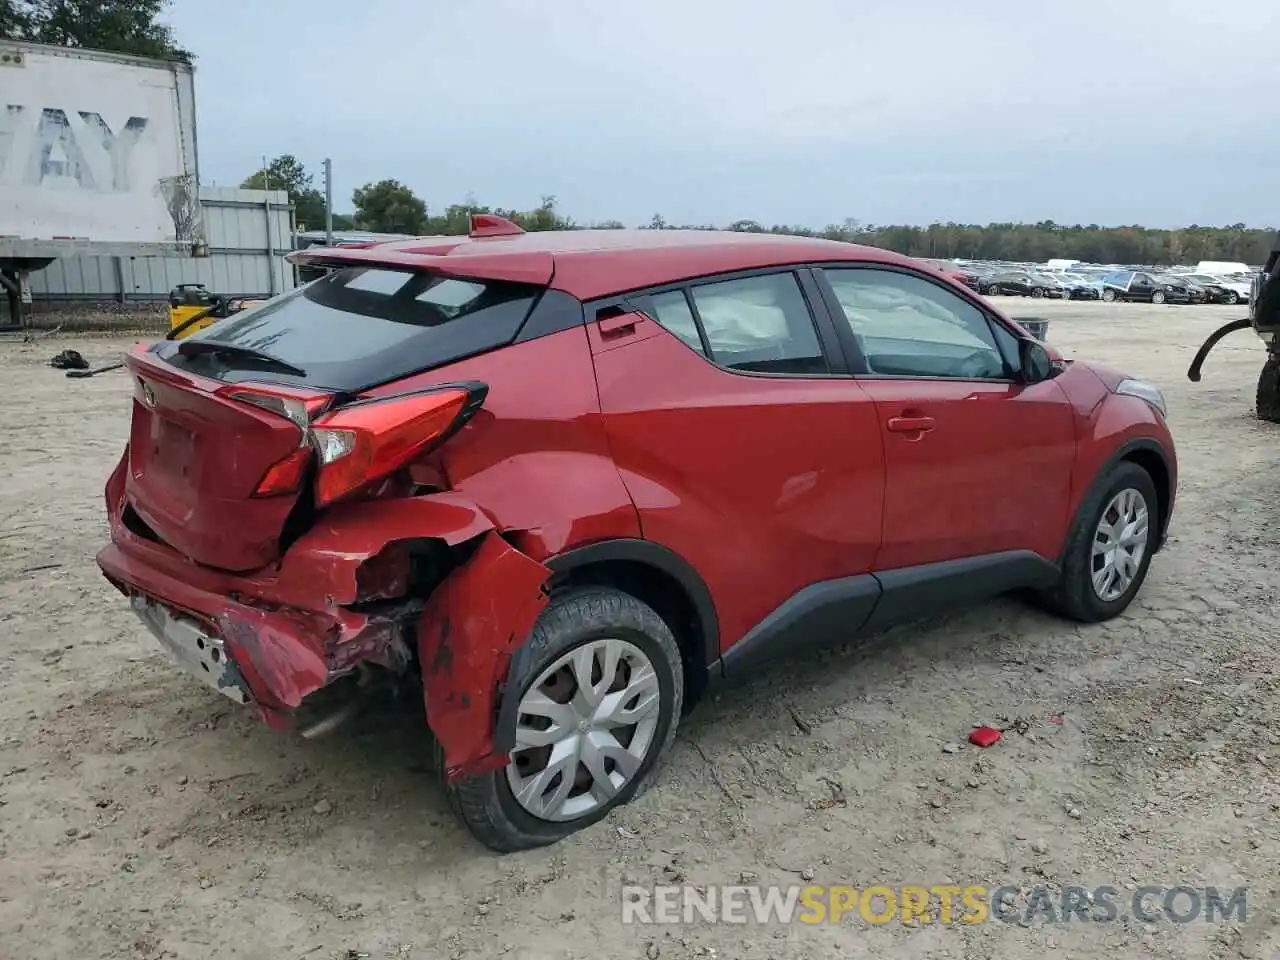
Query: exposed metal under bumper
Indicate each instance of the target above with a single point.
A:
(193, 648)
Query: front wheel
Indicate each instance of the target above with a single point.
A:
(1109, 547)
(600, 698)
(1109, 296)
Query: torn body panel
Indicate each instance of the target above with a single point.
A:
(340, 596)
(470, 626)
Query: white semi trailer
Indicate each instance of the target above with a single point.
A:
(97, 156)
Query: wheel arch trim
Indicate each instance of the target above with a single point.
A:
(629, 550)
(1148, 445)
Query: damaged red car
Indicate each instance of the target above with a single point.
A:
(563, 482)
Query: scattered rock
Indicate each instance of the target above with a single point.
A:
(936, 803)
(183, 780)
(652, 951)
(324, 806)
(205, 883)
(950, 748)
(746, 876)
(972, 784)
(1074, 813)
(627, 833)
(483, 909)
(72, 831)
(808, 873)
(1039, 846)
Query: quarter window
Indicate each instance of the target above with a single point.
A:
(671, 309)
(906, 326)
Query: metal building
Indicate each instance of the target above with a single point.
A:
(249, 232)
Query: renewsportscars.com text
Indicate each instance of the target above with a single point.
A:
(944, 904)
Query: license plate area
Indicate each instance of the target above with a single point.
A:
(193, 648)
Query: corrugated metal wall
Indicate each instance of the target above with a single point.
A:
(249, 232)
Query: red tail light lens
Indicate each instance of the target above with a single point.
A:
(369, 440)
(285, 476)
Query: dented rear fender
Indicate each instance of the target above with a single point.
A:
(470, 627)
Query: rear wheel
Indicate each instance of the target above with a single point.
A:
(1232, 297)
(992, 290)
(1109, 547)
(1037, 292)
(599, 703)
(1268, 398)
(1158, 297)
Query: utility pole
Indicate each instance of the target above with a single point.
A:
(328, 202)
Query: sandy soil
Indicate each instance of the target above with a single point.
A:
(143, 816)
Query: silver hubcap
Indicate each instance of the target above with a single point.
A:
(1119, 544)
(584, 728)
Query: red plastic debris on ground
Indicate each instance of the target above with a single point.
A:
(984, 736)
(1056, 718)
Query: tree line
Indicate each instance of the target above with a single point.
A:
(389, 206)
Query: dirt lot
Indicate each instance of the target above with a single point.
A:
(143, 816)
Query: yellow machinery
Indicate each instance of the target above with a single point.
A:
(192, 308)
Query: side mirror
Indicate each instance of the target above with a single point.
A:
(1034, 361)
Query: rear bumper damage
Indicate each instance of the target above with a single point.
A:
(342, 596)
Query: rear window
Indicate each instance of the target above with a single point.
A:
(360, 327)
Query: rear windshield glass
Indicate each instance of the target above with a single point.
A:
(360, 327)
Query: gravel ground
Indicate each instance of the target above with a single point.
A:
(144, 816)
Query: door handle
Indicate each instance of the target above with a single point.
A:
(911, 424)
(618, 325)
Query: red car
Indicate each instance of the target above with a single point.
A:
(568, 480)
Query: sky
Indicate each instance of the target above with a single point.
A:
(809, 112)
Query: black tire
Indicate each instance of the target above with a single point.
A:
(1037, 292)
(1158, 297)
(1073, 596)
(992, 291)
(1232, 298)
(1109, 296)
(486, 804)
(1268, 398)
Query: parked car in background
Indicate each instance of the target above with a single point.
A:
(1196, 292)
(509, 471)
(1019, 283)
(1137, 286)
(1221, 289)
(1079, 287)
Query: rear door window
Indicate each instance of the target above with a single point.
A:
(360, 327)
(760, 324)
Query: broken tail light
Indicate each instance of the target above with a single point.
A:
(371, 439)
(360, 442)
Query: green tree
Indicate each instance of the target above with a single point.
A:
(388, 206)
(120, 26)
(15, 20)
(286, 173)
